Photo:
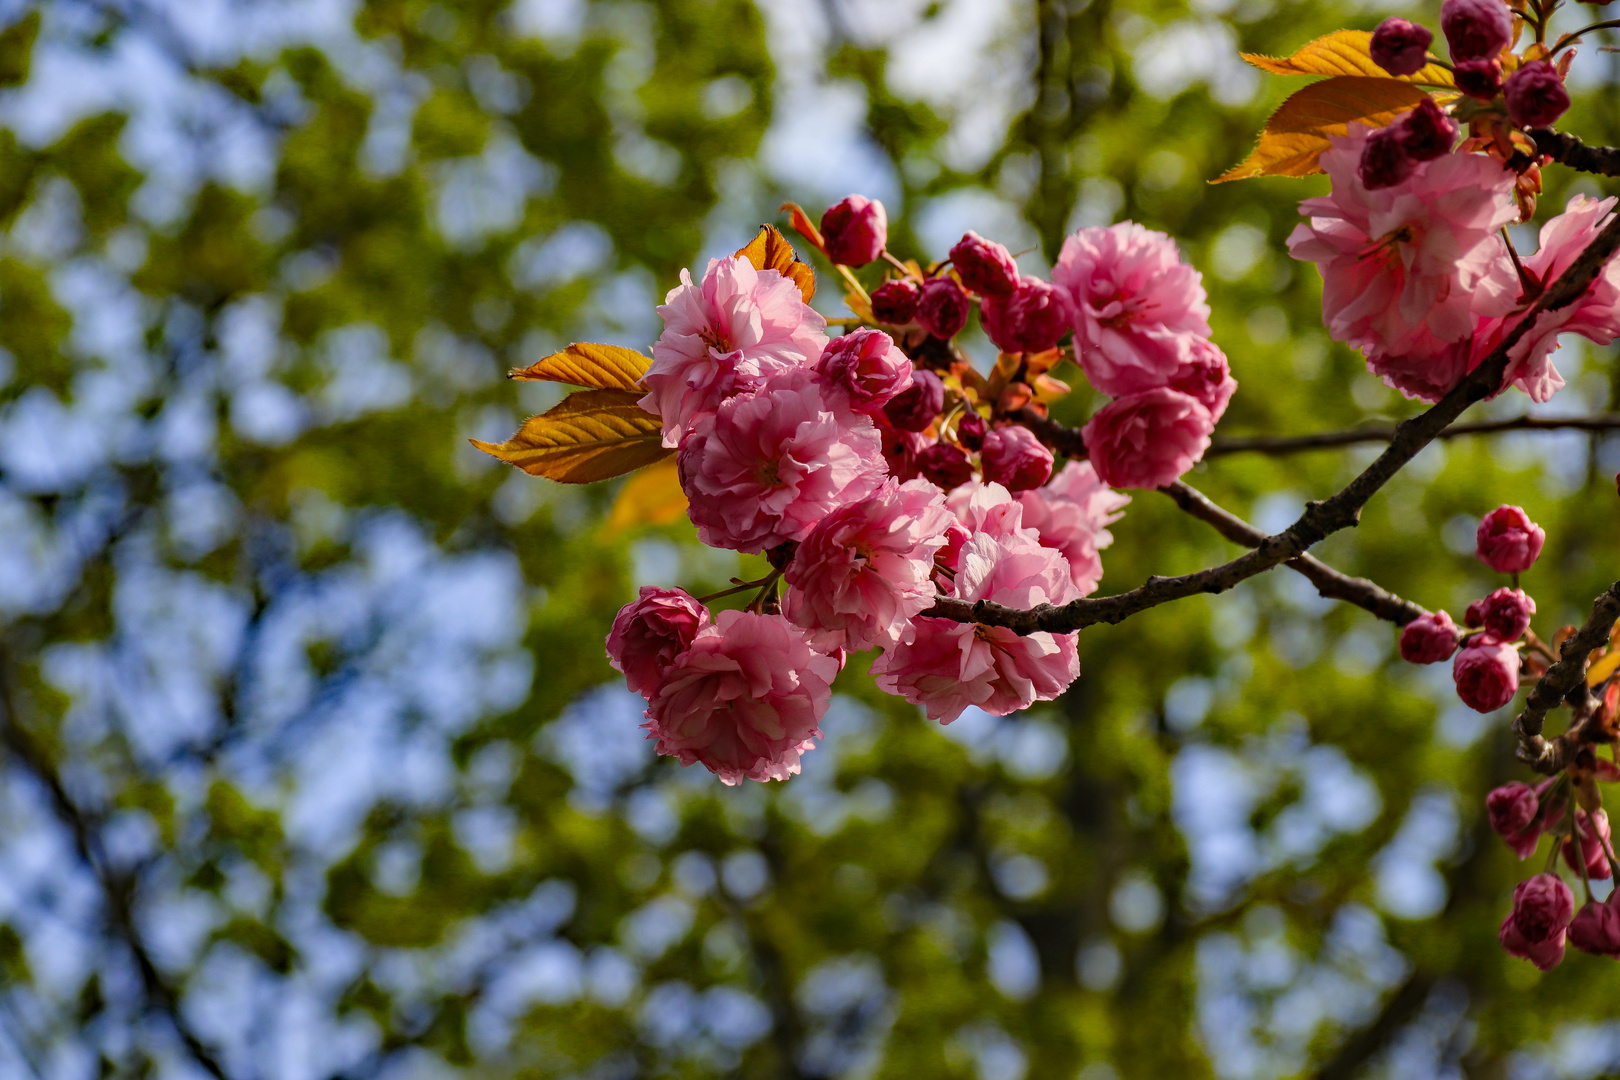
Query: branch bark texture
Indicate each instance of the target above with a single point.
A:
(1569, 150)
(1327, 440)
(1567, 676)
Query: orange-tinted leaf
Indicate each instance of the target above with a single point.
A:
(1602, 669)
(591, 435)
(652, 496)
(603, 367)
(1343, 52)
(770, 250)
(804, 226)
(1297, 133)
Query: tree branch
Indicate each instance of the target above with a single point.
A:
(1563, 680)
(1323, 440)
(1329, 582)
(1321, 519)
(1570, 151)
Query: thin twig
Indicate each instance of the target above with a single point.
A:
(1570, 151)
(1567, 676)
(1320, 519)
(1329, 582)
(1325, 440)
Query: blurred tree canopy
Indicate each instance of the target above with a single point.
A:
(314, 764)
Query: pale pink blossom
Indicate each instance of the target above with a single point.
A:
(650, 632)
(987, 508)
(1071, 515)
(867, 367)
(725, 336)
(1138, 307)
(867, 568)
(1423, 255)
(1149, 439)
(767, 466)
(947, 666)
(745, 699)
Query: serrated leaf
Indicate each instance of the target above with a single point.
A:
(1343, 52)
(1297, 133)
(652, 496)
(770, 250)
(601, 367)
(590, 435)
(1602, 669)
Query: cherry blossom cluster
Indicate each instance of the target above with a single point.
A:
(1418, 271)
(878, 470)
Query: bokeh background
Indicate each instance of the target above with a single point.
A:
(314, 764)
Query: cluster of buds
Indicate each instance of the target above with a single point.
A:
(1486, 658)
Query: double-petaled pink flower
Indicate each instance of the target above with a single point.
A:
(723, 336)
(1534, 930)
(1149, 439)
(650, 632)
(1072, 514)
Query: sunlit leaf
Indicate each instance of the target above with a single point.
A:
(804, 226)
(652, 496)
(770, 250)
(1602, 669)
(591, 435)
(602, 367)
(1343, 52)
(1298, 132)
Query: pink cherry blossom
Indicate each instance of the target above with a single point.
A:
(650, 632)
(745, 699)
(1505, 613)
(1486, 673)
(1146, 440)
(1507, 540)
(1207, 377)
(1594, 830)
(1596, 928)
(1013, 457)
(1534, 930)
(867, 568)
(1072, 514)
(767, 466)
(867, 367)
(987, 508)
(1518, 816)
(726, 336)
(1423, 255)
(948, 666)
(1137, 305)
(1034, 317)
(1429, 639)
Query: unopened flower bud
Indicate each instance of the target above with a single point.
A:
(1505, 613)
(943, 308)
(1400, 47)
(1594, 832)
(1596, 929)
(945, 465)
(1535, 95)
(1014, 458)
(1429, 639)
(867, 367)
(970, 430)
(1032, 319)
(1385, 161)
(1478, 78)
(1206, 377)
(984, 266)
(1535, 928)
(1486, 674)
(650, 632)
(1476, 29)
(1511, 808)
(1507, 540)
(1474, 617)
(900, 449)
(1427, 132)
(895, 302)
(855, 230)
(914, 408)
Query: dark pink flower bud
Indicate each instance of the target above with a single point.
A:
(1512, 807)
(1384, 160)
(895, 302)
(970, 430)
(1535, 95)
(1033, 319)
(914, 408)
(945, 465)
(1014, 458)
(1476, 29)
(1596, 929)
(1507, 540)
(1474, 617)
(900, 449)
(1506, 613)
(1429, 639)
(943, 308)
(650, 632)
(1400, 47)
(1594, 833)
(1535, 928)
(1206, 377)
(984, 265)
(855, 230)
(1427, 132)
(1478, 78)
(867, 367)
(1486, 674)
